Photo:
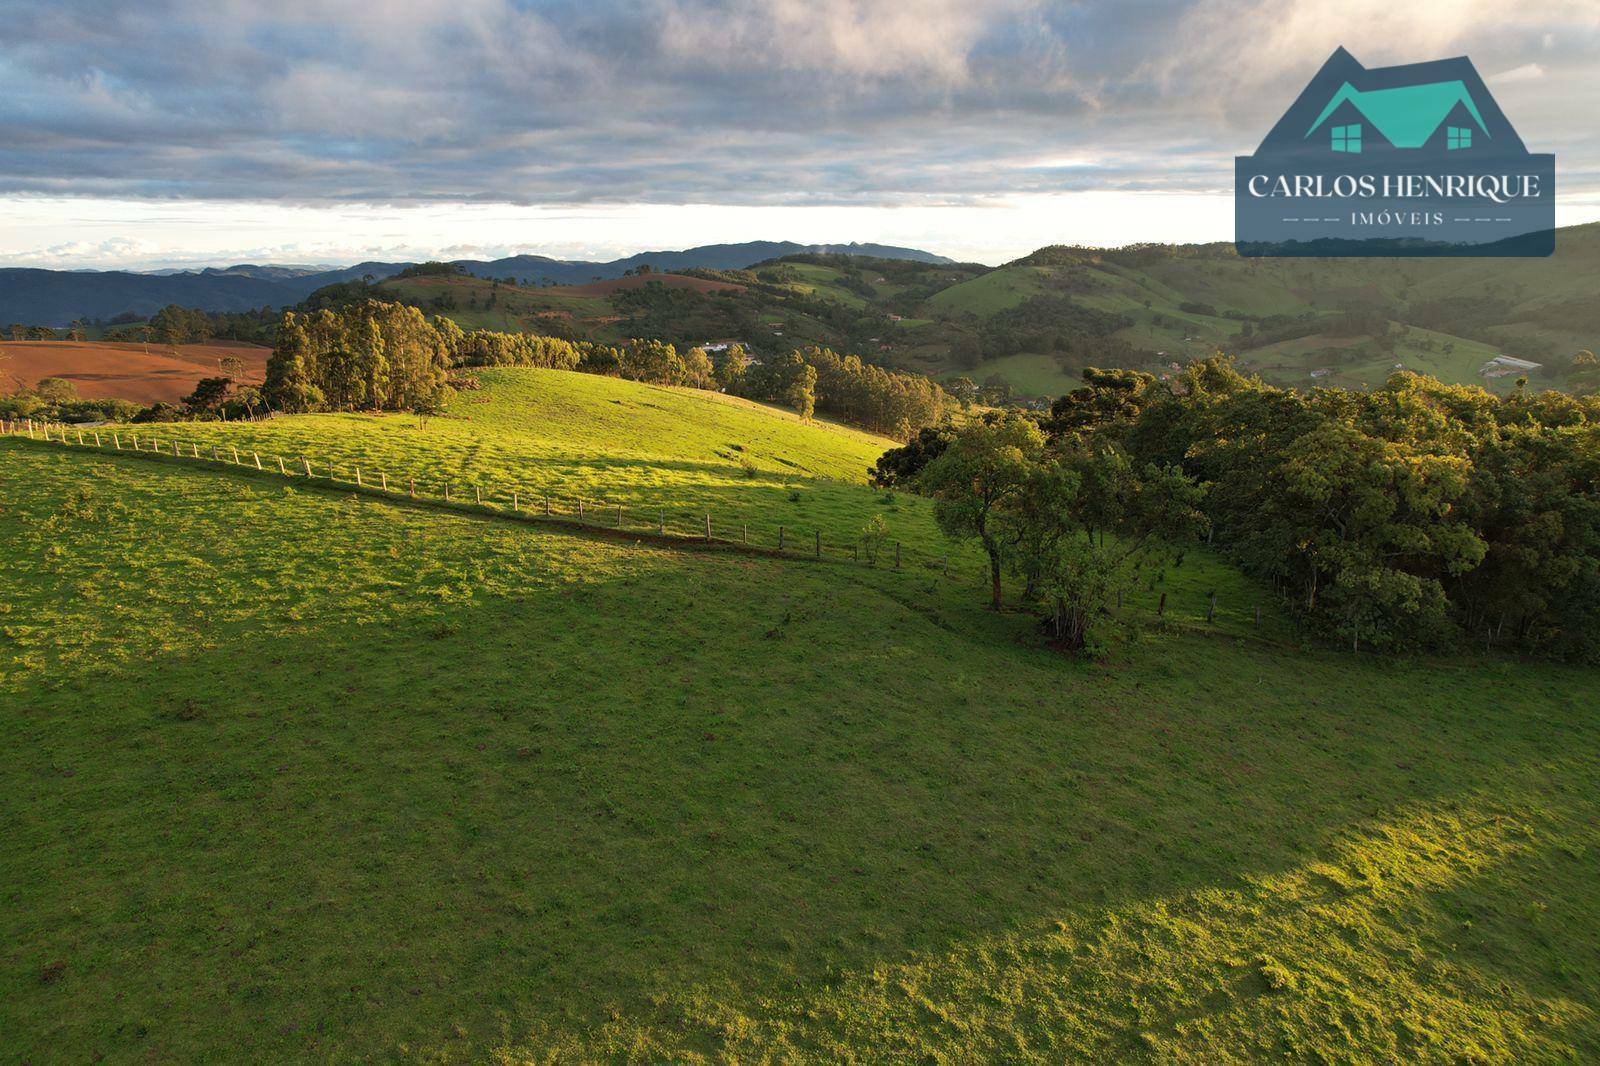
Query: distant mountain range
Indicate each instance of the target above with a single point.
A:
(57, 297)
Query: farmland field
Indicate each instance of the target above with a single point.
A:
(143, 373)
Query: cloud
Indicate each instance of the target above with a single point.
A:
(742, 102)
(1526, 72)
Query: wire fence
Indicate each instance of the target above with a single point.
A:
(700, 530)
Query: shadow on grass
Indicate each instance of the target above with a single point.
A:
(654, 804)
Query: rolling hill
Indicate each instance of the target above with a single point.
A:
(301, 772)
(1030, 326)
(1034, 324)
(58, 297)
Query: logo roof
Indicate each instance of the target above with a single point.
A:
(1407, 115)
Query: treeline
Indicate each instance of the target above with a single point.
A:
(370, 356)
(1418, 515)
(187, 325)
(890, 402)
(387, 356)
(57, 400)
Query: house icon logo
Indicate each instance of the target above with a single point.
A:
(1408, 160)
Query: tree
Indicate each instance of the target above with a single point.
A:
(979, 474)
(963, 389)
(1086, 523)
(900, 466)
(1584, 373)
(56, 390)
(434, 403)
(874, 535)
(698, 370)
(290, 384)
(209, 394)
(729, 366)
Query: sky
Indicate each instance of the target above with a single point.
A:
(173, 133)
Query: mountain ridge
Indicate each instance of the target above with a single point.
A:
(37, 296)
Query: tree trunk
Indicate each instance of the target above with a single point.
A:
(994, 580)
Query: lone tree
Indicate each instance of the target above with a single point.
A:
(1087, 523)
(982, 471)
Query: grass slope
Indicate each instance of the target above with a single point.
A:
(655, 450)
(296, 775)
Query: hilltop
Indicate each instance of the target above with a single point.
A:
(320, 774)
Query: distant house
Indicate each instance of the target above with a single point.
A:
(1324, 372)
(894, 318)
(1410, 116)
(1504, 365)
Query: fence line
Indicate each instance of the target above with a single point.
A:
(589, 514)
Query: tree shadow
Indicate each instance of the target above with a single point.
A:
(605, 799)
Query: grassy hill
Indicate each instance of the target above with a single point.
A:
(297, 772)
(667, 457)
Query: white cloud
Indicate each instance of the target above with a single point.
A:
(1526, 72)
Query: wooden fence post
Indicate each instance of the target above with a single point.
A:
(1258, 615)
(780, 538)
(80, 437)
(619, 516)
(257, 457)
(97, 438)
(1211, 608)
(281, 469)
(358, 477)
(413, 488)
(477, 495)
(117, 440)
(30, 429)
(818, 535)
(306, 461)
(1161, 608)
(661, 524)
(514, 507)
(744, 533)
(897, 555)
(383, 481)
(708, 527)
(235, 455)
(547, 506)
(447, 492)
(580, 508)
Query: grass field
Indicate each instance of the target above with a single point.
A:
(655, 450)
(1030, 373)
(997, 290)
(302, 774)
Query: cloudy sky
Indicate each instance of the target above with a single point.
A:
(171, 132)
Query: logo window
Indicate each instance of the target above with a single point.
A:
(1347, 138)
(1458, 137)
